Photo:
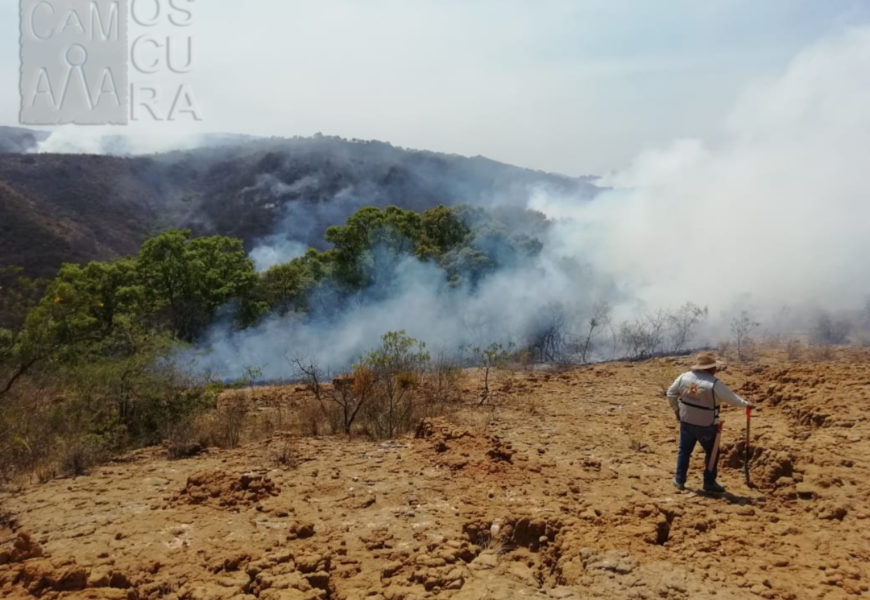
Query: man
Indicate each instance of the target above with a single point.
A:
(694, 397)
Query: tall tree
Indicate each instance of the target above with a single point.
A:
(189, 279)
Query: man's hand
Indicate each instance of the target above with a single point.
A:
(677, 414)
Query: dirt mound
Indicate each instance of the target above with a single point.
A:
(305, 576)
(768, 468)
(458, 448)
(224, 489)
(439, 431)
(18, 548)
(512, 533)
(24, 565)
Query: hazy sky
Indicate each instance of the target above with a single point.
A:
(570, 86)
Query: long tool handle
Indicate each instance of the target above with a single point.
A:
(715, 453)
(746, 446)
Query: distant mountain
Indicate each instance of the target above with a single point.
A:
(63, 207)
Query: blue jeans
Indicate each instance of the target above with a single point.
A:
(706, 436)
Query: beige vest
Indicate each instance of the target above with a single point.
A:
(697, 400)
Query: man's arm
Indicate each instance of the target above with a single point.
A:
(673, 394)
(724, 392)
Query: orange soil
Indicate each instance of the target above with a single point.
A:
(561, 490)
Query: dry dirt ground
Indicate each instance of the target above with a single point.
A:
(562, 490)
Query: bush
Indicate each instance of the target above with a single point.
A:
(682, 323)
(643, 337)
(547, 339)
(81, 416)
(78, 454)
(394, 370)
(494, 356)
(286, 455)
(441, 385)
(829, 331)
(339, 405)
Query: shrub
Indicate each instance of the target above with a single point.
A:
(829, 331)
(80, 453)
(643, 337)
(742, 327)
(682, 323)
(394, 370)
(441, 385)
(494, 356)
(286, 454)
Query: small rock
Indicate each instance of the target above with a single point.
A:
(301, 530)
(832, 512)
(391, 569)
(456, 584)
(120, 581)
(72, 579)
(486, 560)
(99, 577)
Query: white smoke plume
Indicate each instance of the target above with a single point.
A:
(412, 296)
(774, 215)
(775, 212)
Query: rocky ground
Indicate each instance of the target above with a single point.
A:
(560, 489)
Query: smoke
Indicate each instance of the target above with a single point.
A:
(771, 217)
(774, 213)
(407, 295)
(127, 141)
(302, 220)
(295, 225)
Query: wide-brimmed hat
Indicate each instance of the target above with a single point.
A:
(706, 360)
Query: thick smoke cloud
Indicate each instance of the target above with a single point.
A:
(772, 216)
(510, 305)
(775, 213)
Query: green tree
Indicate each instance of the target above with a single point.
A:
(392, 228)
(18, 294)
(189, 279)
(440, 230)
(86, 313)
(285, 288)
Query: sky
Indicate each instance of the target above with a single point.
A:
(577, 87)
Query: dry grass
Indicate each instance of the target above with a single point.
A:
(286, 454)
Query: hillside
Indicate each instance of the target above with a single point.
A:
(65, 208)
(561, 489)
(56, 208)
